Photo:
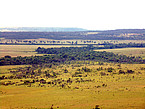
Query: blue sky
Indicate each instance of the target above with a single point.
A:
(88, 14)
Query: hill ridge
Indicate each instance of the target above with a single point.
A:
(40, 29)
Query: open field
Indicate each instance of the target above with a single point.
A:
(6, 69)
(25, 50)
(75, 86)
(127, 51)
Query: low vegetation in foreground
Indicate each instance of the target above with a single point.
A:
(74, 85)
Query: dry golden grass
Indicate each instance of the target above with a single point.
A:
(127, 51)
(25, 50)
(5, 69)
(123, 91)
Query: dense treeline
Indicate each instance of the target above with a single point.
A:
(122, 34)
(87, 53)
(37, 35)
(64, 54)
(121, 45)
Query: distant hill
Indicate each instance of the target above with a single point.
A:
(76, 33)
(41, 29)
(126, 31)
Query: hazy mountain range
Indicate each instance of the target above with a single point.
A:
(40, 29)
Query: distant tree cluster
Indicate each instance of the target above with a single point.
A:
(121, 45)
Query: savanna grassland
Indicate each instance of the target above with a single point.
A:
(81, 85)
(67, 80)
(72, 70)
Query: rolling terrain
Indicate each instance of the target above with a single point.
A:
(121, 34)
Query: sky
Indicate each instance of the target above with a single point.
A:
(87, 14)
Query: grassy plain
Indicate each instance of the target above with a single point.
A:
(127, 51)
(109, 90)
(25, 50)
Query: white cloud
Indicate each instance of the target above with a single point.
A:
(89, 14)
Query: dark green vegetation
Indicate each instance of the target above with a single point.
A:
(122, 34)
(67, 54)
(121, 45)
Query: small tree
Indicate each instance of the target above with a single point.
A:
(121, 72)
(65, 70)
(110, 69)
(7, 56)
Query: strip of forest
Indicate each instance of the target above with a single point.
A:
(121, 45)
(67, 54)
